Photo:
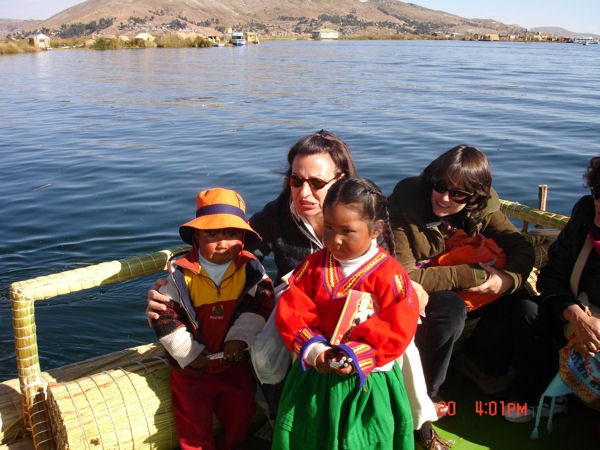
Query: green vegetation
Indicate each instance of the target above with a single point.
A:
(174, 41)
(81, 29)
(15, 47)
(167, 41)
(12, 47)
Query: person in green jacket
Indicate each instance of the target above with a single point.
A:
(454, 193)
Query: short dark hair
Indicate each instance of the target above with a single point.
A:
(465, 165)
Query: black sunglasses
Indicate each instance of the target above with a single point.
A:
(595, 192)
(455, 195)
(314, 183)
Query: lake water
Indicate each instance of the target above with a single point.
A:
(103, 152)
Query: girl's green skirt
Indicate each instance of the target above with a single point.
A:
(331, 412)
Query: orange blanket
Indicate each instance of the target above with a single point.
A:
(464, 249)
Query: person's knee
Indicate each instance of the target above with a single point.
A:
(524, 313)
(447, 307)
(445, 319)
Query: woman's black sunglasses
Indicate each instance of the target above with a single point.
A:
(455, 195)
(314, 183)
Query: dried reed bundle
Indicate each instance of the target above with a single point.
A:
(537, 216)
(12, 426)
(24, 294)
(120, 408)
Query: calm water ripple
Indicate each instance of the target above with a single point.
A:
(103, 152)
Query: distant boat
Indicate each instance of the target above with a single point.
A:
(216, 41)
(325, 34)
(237, 39)
(585, 40)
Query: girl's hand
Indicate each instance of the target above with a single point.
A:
(498, 282)
(343, 365)
(334, 361)
(322, 362)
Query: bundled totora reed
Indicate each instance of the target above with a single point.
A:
(120, 408)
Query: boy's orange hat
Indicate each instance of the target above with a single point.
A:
(219, 208)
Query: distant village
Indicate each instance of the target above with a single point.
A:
(180, 32)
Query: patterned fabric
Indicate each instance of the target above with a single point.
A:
(310, 308)
(582, 375)
(363, 356)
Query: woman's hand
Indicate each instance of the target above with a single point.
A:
(233, 351)
(156, 301)
(585, 335)
(498, 282)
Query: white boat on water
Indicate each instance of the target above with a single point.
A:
(585, 40)
(237, 39)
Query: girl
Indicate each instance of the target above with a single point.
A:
(350, 395)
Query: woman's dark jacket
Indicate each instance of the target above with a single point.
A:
(554, 279)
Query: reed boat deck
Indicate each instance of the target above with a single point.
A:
(122, 400)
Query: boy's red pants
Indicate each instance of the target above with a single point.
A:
(228, 394)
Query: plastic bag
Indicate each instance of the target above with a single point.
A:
(270, 357)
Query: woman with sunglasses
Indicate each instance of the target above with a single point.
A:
(454, 193)
(291, 226)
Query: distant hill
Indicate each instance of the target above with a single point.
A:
(557, 31)
(10, 26)
(275, 18)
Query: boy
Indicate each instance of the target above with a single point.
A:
(220, 297)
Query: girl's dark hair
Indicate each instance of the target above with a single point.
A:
(466, 166)
(592, 173)
(322, 142)
(363, 192)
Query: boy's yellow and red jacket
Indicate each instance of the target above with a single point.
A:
(203, 315)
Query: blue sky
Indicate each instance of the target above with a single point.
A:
(582, 16)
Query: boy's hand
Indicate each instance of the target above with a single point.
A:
(233, 351)
(200, 362)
